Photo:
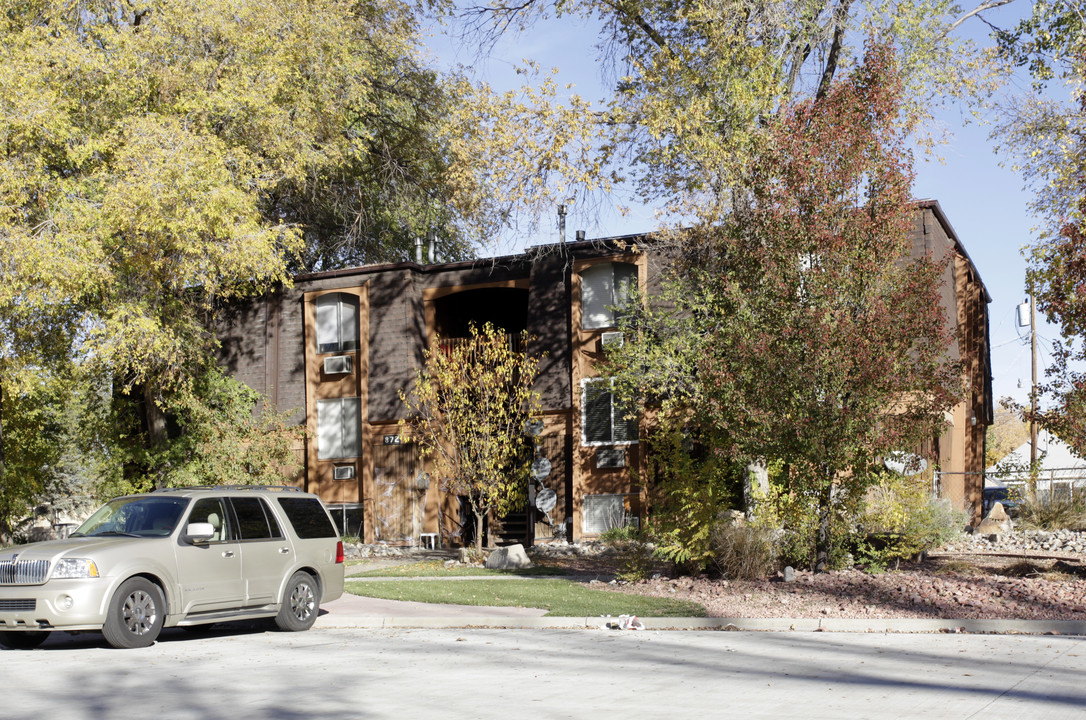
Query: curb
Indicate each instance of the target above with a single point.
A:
(846, 625)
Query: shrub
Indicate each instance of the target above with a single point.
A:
(634, 551)
(793, 512)
(690, 484)
(618, 534)
(1064, 511)
(742, 551)
(900, 519)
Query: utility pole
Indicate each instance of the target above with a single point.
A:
(1033, 386)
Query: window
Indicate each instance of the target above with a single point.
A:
(337, 322)
(339, 428)
(605, 288)
(212, 511)
(603, 421)
(603, 512)
(308, 517)
(254, 521)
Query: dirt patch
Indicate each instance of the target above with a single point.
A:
(966, 587)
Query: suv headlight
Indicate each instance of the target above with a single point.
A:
(68, 568)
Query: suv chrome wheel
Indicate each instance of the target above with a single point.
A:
(136, 614)
(301, 601)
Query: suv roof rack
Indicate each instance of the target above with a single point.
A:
(273, 488)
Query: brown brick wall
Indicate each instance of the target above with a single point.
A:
(397, 334)
(240, 328)
(548, 325)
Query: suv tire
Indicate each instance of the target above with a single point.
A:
(301, 603)
(135, 615)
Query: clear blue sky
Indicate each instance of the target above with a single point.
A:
(985, 203)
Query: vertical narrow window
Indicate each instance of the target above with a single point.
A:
(603, 420)
(605, 289)
(337, 322)
(339, 428)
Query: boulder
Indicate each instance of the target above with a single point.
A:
(511, 557)
(995, 522)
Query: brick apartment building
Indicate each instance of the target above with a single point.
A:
(337, 347)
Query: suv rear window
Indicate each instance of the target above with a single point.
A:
(308, 517)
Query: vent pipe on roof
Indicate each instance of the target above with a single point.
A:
(431, 246)
(561, 223)
(580, 236)
(418, 250)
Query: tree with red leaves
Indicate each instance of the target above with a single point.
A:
(801, 332)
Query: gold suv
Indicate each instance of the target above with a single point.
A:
(175, 557)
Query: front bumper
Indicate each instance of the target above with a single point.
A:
(55, 605)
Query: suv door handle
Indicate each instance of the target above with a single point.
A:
(228, 553)
(284, 551)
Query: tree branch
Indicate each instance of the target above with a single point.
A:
(975, 11)
(840, 21)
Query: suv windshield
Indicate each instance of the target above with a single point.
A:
(134, 516)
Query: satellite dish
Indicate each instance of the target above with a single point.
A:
(546, 500)
(906, 464)
(541, 468)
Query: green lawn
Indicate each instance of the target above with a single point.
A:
(560, 598)
(437, 568)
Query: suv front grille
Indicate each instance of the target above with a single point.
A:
(18, 605)
(23, 572)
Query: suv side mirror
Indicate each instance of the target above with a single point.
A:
(199, 531)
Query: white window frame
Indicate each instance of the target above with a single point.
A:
(584, 416)
(605, 288)
(339, 428)
(336, 322)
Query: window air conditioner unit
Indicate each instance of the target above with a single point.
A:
(337, 365)
(610, 457)
(344, 472)
(611, 339)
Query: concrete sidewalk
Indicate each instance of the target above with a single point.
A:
(356, 611)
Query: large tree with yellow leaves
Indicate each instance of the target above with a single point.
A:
(161, 157)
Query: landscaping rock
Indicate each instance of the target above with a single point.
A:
(511, 557)
(995, 522)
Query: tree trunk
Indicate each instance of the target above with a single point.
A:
(479, 531)
(3, 457)
(822, 541)
(840, 25)
(755, 485)
(156, 426)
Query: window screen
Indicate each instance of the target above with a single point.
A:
(339, 428)
(337, 322)
(605, 288)
(603, 512)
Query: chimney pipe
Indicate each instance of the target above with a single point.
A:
(561, 223)
(580, 236)
(431, 246)
(418, 250)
